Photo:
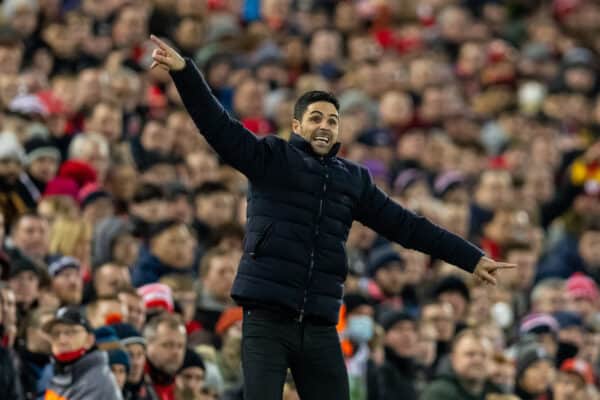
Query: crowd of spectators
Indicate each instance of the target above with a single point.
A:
(121, 230)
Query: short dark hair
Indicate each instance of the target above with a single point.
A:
(312, 97)
(210, 188)
(146, 192)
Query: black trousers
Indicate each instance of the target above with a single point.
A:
(271, 345)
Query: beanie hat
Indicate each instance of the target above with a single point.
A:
(10, 149)
(452, 283)
(446, 182)
(119, 356)
(22, 264)
(40, 147)
(62, 187)
(537, 323)
(567, 319)
(381, 257)
(91, 192)
(79, 171)
(59, 263)
(227, 319)
(529, 355)
(407, 178)
(192, 359)
(580, 286)
(157, 295)
(389, 319)
(105, 335)
(579, 367)
(127, 334)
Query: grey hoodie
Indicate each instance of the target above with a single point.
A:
(86, 379)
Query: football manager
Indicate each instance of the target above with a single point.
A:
(302, 201)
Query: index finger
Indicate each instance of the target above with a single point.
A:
(159, 42)
(503, 265)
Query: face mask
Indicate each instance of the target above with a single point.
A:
(360, 329)
(502, 314)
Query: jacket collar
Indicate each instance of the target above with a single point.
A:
(299, 142)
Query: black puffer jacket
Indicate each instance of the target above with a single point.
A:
(300, 209)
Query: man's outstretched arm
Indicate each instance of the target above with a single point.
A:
(235, 144)
(377, 211)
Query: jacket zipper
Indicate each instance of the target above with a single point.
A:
(312, 251)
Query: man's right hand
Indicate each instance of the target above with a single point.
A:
(165, 56)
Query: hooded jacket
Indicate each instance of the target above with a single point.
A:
(87, 378)
(300, 209)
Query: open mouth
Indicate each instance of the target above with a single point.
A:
(322, 138)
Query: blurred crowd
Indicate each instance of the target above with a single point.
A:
(121, 230)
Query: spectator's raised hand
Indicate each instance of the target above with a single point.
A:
(165, 56)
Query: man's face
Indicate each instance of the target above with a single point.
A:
(151, 211)
(403, 338)
(10, 59)
(167, 349)
(9, 306)
(390, 278)
(9, 171)
(107, 121)
(120, 373)
(456, 300)
(201, 167)
(68, 286)
(136, 310)
(44, 168)
(589, 248)
(126, 249)
(470, 359)
(219, 279)
(494, 190)
(248, 99)
(215, 209)
(441, 315)
(191, 379)
(175, 246)
(538, 377)
(25, 285)
(65, 338)
(109, 279)
(137, 360)
(320, 126)
(130, 28)
(550, 301)
(567, 386)
(32, 236)
(521, 277)
(155, 137)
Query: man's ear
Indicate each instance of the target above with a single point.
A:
(296, 126)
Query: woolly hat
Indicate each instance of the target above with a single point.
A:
(157, 295)
(119, 356)
(40, 147)
(192, 359)
(391, 318)
(127, 334)
(382, 257)
(579, 367)
(580, 286)
(538, 323)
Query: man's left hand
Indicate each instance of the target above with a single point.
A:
(486, 269)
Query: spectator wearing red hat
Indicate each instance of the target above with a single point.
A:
(582, 294)
(574, 381)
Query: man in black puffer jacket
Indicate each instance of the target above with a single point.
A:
(301, 204)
